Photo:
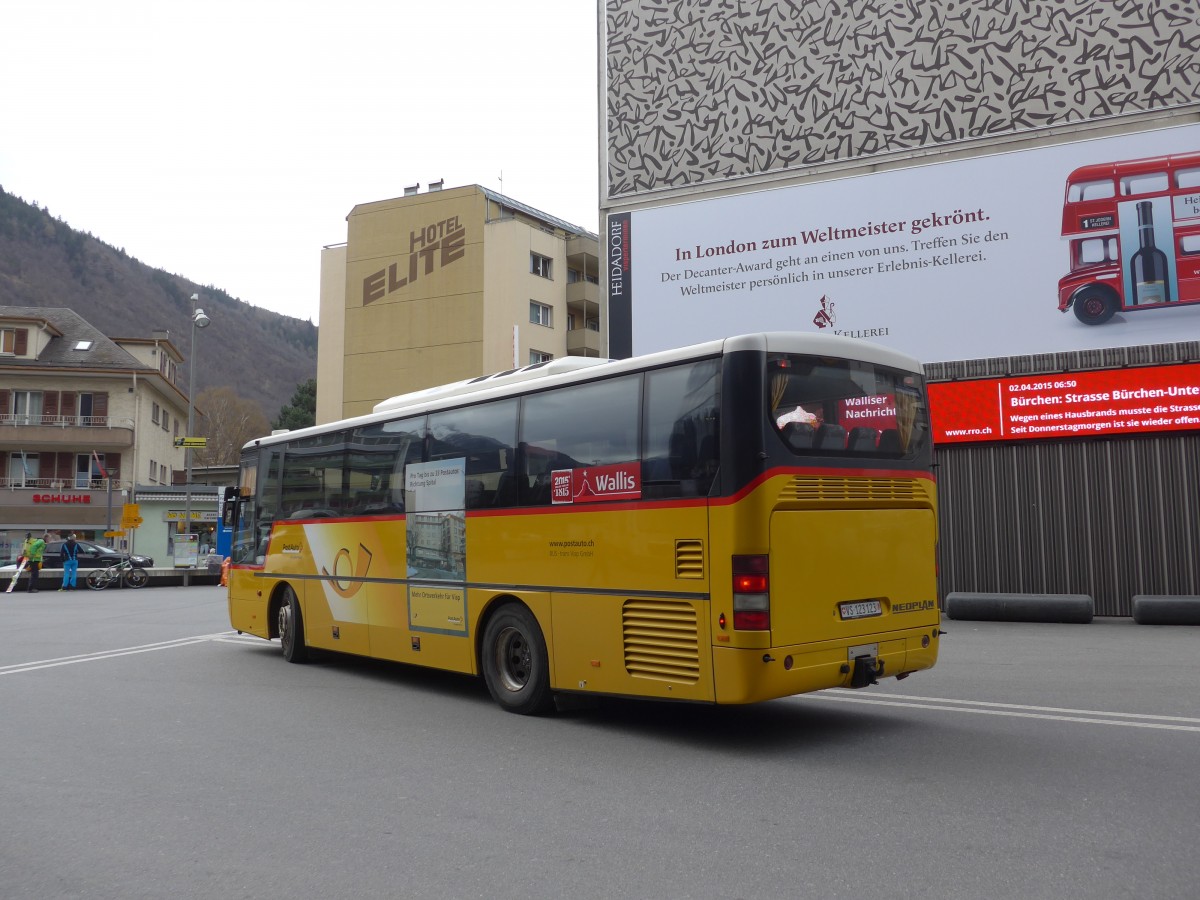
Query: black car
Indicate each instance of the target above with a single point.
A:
(91, 556)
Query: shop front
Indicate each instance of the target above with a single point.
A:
(87, 514)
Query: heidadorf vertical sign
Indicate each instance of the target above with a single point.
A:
(618, 241)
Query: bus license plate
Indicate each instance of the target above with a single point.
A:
(862, 609)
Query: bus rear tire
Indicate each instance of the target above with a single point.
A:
(291, 628)
(516, 666)
(1094, 305)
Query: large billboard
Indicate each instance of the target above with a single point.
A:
(1061, 405)
(993, 256)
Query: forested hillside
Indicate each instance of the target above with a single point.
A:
(259, 354)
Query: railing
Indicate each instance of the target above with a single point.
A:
(66, 421)
(57, 484)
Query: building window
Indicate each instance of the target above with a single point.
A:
(86, 470)
(541, 314)
(153, 471)
(88, 414)
(540, 265)
(166, 419)
(8, 341)
(22, 469)
(154, 413)
(163, 476)
(28, 407)
(537, 356)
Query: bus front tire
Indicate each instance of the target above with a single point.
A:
(1094, 306)
(291, 628)
(516, 666)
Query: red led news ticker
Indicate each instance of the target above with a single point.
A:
(1113, 401)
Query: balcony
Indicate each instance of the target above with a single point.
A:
(579, 292)
(22, 431)
(583, 253)
(584, 342)
(57, 484)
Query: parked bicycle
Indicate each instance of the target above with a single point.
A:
(124, 572)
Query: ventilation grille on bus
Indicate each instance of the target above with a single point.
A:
(822, 489)
(689, 559)
(661, 640)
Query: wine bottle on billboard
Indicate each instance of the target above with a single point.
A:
(1149, 264)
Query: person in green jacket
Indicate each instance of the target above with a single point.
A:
(32, 551)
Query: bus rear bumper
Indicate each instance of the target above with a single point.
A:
(751, 676)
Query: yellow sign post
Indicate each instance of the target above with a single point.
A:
(130, 516)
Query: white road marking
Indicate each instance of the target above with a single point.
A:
(836, 695)
(17, 668)
(1014, 710)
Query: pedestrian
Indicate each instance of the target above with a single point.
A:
(33, 549)
(70, 563)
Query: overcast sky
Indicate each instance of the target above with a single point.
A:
(227, 141)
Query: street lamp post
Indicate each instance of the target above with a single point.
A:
(199, 320)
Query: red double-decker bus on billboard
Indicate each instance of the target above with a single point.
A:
(1134, 234)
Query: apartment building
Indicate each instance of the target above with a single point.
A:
(84, 418)
(443, 285)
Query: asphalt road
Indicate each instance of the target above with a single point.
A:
(148, 752)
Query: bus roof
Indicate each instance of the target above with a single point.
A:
(1148, 164)
(569, 370)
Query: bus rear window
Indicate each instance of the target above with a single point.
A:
(829, 406)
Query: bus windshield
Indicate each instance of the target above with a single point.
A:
(838, 406)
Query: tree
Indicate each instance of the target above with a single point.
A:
(228, 421)
(302, 411)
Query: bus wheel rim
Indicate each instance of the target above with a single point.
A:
(285, 624)
(514, 661)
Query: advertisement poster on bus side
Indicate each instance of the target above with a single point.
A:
(946, 261)
(435, 525)
(595, 484)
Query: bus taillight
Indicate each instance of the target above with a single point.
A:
(751, 593)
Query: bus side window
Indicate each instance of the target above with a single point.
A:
(1185, 179)
(377, 457)
(486, 437)
(578, 426)
(1148, 183)
(680, 451)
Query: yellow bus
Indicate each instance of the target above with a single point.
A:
(732, 522)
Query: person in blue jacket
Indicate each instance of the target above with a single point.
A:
(70, 563)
